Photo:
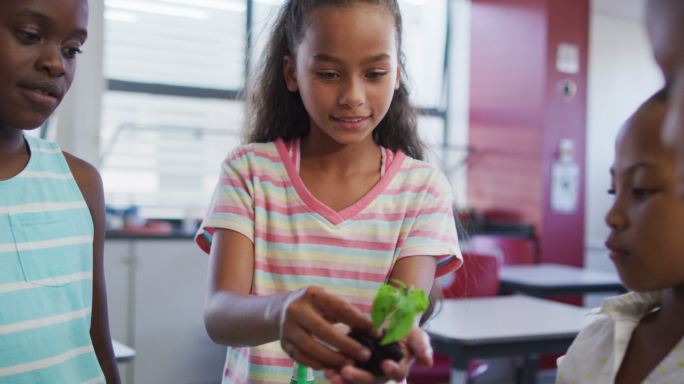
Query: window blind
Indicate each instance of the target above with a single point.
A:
(173, 109)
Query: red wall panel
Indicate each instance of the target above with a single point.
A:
(518, 114)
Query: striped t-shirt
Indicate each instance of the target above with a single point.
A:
(299, 241)
(46, 256)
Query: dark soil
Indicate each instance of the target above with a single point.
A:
(378, 352)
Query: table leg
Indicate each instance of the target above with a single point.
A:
(529, 369)
(458, 376)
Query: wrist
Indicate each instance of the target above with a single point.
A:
(277, 311)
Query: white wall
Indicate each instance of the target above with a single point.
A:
(459, 80)
(622, 74)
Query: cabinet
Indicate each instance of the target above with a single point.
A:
(156, 290)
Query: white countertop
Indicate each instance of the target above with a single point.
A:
(122, 352)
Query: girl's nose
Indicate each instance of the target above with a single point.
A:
(615, 217)
(352, 94)
(51, 61)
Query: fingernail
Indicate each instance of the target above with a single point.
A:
(364, 354)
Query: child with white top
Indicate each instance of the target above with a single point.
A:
(637, 337)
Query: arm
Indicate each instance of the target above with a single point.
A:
(415, 271)
(419, 272)
(90, 184)
(298, 319)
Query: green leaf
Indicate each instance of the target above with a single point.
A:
(398, 284)
(420, 299)
(399, 326)
(397, 306)
(385, 302)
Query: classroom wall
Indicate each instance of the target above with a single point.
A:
(519, 115)
(459, 99)
(507, 76)
(621, 75)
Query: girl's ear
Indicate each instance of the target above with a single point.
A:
(398, 82)
(290, 74)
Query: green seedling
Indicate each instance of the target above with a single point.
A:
(395, 308)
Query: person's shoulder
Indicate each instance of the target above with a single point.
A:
(423, 172)
(81, 169)
(630, 306)
(598, 333)
(589, 349)
(251, 150)
(598, 324)
(409, 164)
(87, 178)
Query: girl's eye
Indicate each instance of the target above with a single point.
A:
(28, 36)
(71, 52)
(327, 75)
(643, 193)
(376, 74)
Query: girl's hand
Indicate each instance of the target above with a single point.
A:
(416, 347)
(307, 322)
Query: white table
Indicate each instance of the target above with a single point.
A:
(503, 326)
(122, 353)
(555, 279)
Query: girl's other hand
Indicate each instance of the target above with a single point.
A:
(307, 322)
(416, 347)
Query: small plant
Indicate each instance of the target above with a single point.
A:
(394, 311)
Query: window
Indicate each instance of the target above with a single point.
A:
(175, 71)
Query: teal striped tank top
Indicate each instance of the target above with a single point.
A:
(46, 274)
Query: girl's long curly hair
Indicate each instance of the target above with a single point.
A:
(274, 112)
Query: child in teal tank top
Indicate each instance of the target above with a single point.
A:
(53, 308)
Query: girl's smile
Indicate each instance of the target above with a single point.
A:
(352, 123)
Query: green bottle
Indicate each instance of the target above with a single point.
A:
(302, 375)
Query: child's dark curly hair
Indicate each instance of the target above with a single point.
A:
(274, 112)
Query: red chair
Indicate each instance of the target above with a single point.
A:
(512, 249)
(502, 215)
(478, 277)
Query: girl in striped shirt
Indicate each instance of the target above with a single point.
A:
(327, 201)
(53, 311)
